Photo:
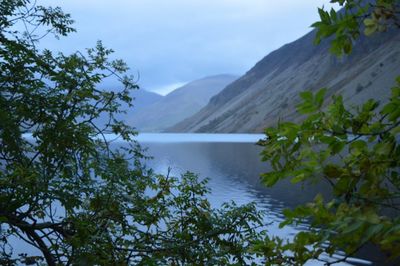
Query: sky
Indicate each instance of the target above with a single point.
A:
(167, 43)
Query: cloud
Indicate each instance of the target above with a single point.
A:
(164, 90)
(169, 42)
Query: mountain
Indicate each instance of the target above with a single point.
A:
(141, 99)
(179, 104)
(270, 90)
(144, 98)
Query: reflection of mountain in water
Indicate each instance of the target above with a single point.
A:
(230, 163)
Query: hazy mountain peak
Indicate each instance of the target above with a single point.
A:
(179, 104)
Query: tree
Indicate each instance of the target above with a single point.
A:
(355, 150)
(355, 18)
(73, 194)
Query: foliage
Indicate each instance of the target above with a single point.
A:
(358, 154)
(70, 192)
(357, 16)
(356, 151)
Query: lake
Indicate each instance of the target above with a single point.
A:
(232, 164)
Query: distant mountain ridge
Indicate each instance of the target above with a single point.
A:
(178, 104)
(143, 98)
(269, 91)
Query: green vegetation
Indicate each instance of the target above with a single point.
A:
(357, 17)
(81, 199)
(356, 150)
(68, 191)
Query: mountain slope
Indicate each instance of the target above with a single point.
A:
(143, 98)
(269, 91)
(179, 104)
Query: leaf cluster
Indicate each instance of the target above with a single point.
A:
(356, 151)
(356, 16)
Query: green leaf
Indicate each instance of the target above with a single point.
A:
(298, 178)
(343, 185)
(368, 31)
(369, 22)
(354, 226)
(332, 171)
(358, 147)
(347, 46)
(307, 96)
(319, 97)
(337, 146)
(398, 80)
(383, 148)
(270, 179)
(395, 92)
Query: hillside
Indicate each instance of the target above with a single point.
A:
(141, 99)
(144, 98)
(179, 104)
(269, 91)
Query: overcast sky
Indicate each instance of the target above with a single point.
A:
(171, 42)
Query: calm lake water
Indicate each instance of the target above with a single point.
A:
(232, 164)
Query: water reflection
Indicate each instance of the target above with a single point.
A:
(233, 170)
